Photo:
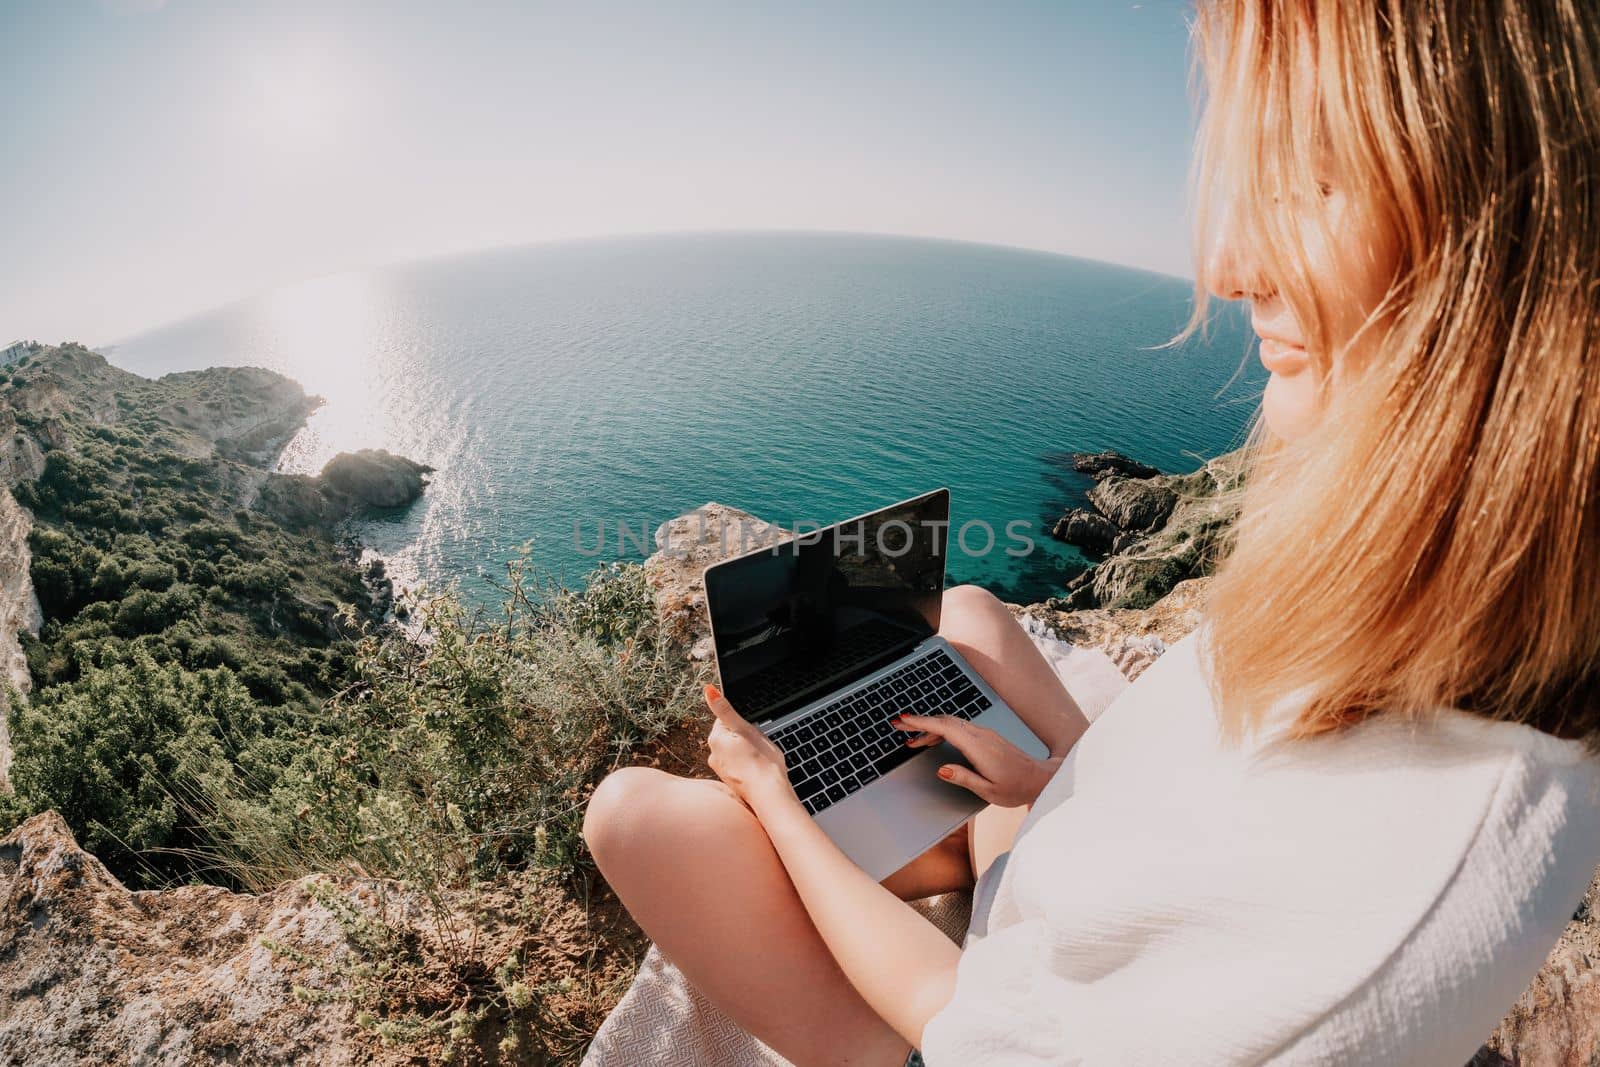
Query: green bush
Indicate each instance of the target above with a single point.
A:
(471, 752)
(114, 750)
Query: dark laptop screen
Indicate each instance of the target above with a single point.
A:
(813, 614)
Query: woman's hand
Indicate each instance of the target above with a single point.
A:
(1001, 773)
(745, 758)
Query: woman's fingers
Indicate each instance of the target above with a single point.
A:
(934, 728)
(931, 729)
(969, 780)
(723, 710)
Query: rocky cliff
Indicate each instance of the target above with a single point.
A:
(91, 973)
(22, 451)
(244, 413)
(19, 613)
(233, 418)
(1147, 530)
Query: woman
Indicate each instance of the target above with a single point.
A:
(1345, 820)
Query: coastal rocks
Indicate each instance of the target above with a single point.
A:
(350, 483)
(1167, 528)
(243, 413)
(240, 413)
(1088, 530)
(1133, 503)
(1139, 634)
(21, 451)
(1099, 464)
(685, 546)
(93, 973)
(376, 478)
(1137, 580)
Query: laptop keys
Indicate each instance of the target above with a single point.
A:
(850, 743)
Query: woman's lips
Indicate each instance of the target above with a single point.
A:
(1281, 358)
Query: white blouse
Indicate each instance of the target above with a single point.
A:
(1381, 895)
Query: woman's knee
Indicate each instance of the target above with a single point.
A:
(641, 808)
(970, 607)
(972, 598)
(612, 813)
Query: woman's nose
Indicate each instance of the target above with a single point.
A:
(1230, 272)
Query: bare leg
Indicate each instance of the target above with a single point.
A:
(696, 871)
(695, 868)
(991, 639)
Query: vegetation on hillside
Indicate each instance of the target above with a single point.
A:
(461, 770)
(185, 638)
(217, 697)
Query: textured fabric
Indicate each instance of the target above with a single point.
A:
(663, 1020)
(1377, 896)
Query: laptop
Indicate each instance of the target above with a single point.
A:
(822, 639)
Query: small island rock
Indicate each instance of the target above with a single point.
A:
(1100, 464)
(376, 478)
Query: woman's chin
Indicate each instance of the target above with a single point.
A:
(1289, 404)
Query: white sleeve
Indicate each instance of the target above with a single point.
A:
(1513, 895)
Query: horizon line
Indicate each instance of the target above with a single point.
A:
(511, 246)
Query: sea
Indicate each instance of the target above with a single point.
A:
(572, 397)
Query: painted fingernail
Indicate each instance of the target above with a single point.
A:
(712, 693)
(946, 773)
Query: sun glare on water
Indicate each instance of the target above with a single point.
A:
(327, 335)
(347, 339)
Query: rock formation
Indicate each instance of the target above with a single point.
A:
(1137, 504)
(350, 483)
(91, 973)
(376, 478)
(1100, 464)
(1557, 1020)
(1153, 531)
(245, 413)
(1088, 530)
(684, 547)
(19, 612)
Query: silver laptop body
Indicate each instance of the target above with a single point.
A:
(821, 639)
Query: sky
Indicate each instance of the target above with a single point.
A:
(162, 158)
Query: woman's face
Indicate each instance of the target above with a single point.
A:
(1350, 254)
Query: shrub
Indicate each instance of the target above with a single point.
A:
(459, 765)
(471, 752)
(112, 750)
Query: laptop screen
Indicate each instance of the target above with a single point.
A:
(799, 620)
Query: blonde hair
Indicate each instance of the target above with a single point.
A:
(1434, 541)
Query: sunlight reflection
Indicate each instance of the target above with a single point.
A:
(327, 334)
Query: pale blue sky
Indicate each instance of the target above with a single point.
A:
(165, 158)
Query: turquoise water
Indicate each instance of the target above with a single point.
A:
(806, 378)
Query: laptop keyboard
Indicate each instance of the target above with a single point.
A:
(849, 743)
